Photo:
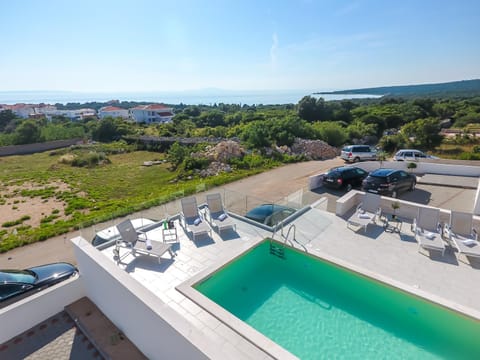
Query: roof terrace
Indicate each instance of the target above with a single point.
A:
(142, 298)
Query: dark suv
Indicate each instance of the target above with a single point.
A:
(346, 177)
(389, 182)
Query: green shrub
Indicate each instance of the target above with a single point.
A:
(91, 159)
(469, 156)
(190, 163)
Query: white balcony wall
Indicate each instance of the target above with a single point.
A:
(157, 330)
(29, 312)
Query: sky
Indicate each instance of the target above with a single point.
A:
(140, 45)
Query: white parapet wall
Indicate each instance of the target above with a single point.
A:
(408, 210)
(476, 204)
(157, 330)
(31, 311)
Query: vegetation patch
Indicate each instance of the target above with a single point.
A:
(16, 222)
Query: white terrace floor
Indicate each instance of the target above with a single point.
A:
(393, 258)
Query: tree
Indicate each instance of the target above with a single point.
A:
(331, 132)
(256, 135)
(176, 154)
(307, 108)
(423, 133)
(6, 116)
(28, 132)
(110, 130)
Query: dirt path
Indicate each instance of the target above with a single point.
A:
(270, 186)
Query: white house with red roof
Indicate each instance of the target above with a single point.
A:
(114, 112)
(153, 113)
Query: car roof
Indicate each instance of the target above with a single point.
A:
(383, 172)
(409, 150)
(342, 168)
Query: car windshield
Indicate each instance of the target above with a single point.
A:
(21, 276)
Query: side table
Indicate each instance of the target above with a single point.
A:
(170, 235)
(393, 225)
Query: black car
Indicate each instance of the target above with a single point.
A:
(344, 177)
(389, 182)
(18, 284)
(269, 214)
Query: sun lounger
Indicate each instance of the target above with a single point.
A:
(428, 230)
(462, 235)
(191, 218)
(367, 211)
(136, 241)
(217, 215)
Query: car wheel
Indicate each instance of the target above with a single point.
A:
(394, 194)
(349, 187)
(412, 186)
(357, 159)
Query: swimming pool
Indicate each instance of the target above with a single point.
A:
(316, 309)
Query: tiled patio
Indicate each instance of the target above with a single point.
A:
(391, 257)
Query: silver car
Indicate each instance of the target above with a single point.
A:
(356, 153)
(412, 155)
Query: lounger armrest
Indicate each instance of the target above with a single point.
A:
(208, 214)
(359, 207)
(475, 234)
(413, 228)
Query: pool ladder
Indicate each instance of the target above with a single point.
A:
(279, 250)
(288, 233)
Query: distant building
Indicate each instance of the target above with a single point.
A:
(29, 110)
(154, 113)
(74, 115)
(113, 112)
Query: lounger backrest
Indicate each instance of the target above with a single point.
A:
(370, 202)
(461, 222)
(214, 203)
(428, 218)
(127, 232)
(189, 207)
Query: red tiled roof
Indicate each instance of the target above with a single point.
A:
(110, 108)
(152, 107)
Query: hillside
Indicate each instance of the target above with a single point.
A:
(448, 89)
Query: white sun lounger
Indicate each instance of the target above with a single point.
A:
(191, 218)
(428, 230)
(367, 211)
(217, 215)
(462, 234)
(136, 241)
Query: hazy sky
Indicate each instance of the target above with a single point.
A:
(139, 45)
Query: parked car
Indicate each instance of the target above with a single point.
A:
(389, 182)
(270, 214)
(356, 153)
(18, 284)
(344, 177)
(411, 155)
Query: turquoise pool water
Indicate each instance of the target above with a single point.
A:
(317, 310)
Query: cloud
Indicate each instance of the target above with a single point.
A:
(273, 52)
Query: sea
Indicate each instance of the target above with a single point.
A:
(198, 97)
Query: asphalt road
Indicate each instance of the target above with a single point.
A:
(270, 186)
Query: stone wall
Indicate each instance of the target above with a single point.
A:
(37, 147)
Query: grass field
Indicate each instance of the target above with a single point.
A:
(72, 197)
